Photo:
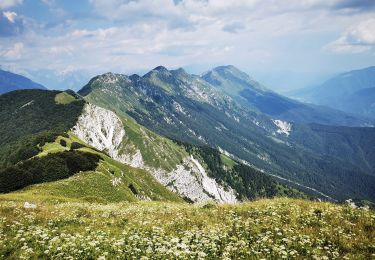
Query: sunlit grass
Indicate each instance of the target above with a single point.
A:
(275, 228)
(98, 185)
(64, 98)
(228, 162)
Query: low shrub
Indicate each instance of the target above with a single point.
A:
(76, 146)
(44, 169)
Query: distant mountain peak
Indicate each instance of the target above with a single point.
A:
(222, 75)
(226, 67)
(160, 69)
(111, 77)
(352, 92)
(229, 69)
(108, 74)
(11, 81)
(357, 73)
(134, 77)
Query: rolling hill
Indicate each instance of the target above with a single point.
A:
(38, 148)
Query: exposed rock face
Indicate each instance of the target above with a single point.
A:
(212, 187)
(284, 127)
(100, 128)
(191, 181)
(104, 130)
(135, 160)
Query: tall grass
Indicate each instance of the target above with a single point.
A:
(273, 229)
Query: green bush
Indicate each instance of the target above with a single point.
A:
(44, 169)
(75, 146)
(26, 147)
(63, 142)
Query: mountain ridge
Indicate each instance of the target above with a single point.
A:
(10, 81)
(189, 109)
(66, 126)
(252, 94)
(346, 91)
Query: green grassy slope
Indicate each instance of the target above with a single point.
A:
(32, 117)
(157, 151)
(64, 98)
(265, 229)
(97, 184)
(38, 148)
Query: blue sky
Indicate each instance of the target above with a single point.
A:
(285, 44)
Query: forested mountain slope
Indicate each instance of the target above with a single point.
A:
(187, 108)
(252, 94)
(62, 140)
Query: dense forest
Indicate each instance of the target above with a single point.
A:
(247, 181)
(30, 118)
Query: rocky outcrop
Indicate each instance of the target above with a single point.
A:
(100, 128)
(190, 180)
(104, 130)
(283, 127)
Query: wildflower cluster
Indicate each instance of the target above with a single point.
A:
(277, 229)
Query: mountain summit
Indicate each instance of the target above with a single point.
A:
(230, 79)
(160, 69)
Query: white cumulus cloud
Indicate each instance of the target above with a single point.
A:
(9, 3)
(359, 38)
(14, 52)
(136, 35)
(11, 16)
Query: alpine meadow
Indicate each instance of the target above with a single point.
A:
(187, 129)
